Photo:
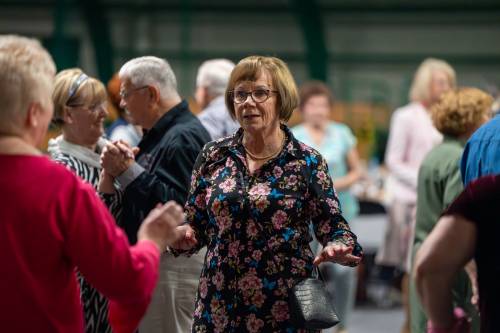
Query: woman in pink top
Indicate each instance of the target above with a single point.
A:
(412, 135)
(51, 222)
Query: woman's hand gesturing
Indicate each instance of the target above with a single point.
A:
(338, 253)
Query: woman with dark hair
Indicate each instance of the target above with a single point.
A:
(337, 145)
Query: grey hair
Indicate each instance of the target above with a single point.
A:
(26, 76)
(214, 75)
(419, 91)
(150, 70)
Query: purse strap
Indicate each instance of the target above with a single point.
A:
(319, 275)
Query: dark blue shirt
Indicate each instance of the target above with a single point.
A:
(167, 152)
(481, 155)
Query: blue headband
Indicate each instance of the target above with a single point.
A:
(76, 84)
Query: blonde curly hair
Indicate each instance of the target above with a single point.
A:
(461, 110)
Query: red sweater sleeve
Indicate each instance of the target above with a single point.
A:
(126, 275)
(125, 317)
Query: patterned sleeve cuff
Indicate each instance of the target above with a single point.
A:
(347, 238)
(177, 252)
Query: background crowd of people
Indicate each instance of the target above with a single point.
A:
(170, 221)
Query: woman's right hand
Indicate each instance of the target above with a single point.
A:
(337, 252)
(163, 225)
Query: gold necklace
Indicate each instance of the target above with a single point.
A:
(274, 154)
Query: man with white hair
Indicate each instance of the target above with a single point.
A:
(211, 81)
(160, 171)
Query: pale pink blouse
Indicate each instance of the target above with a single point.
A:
(412, 135)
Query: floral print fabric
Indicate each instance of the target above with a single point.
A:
(256, 229)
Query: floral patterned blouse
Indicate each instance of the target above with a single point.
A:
(255, 227)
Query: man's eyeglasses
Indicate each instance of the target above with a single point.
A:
(258, 95)
(126, 94)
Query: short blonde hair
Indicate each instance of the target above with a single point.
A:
(26, 76)
(67, 92)
(459, 111)
(250, 68)
(420, 87)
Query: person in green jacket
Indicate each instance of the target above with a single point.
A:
(457, 115)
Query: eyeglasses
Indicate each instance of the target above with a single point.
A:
(92, 108)
(258, 95)
(126, 94)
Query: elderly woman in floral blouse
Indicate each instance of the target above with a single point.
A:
(253, 196)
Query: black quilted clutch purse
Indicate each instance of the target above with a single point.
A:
(311, 305)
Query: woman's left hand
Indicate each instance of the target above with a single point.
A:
(338, 253)
(186, 238)
(461, 324)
